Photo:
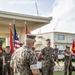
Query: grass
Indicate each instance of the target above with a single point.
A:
(62, 73)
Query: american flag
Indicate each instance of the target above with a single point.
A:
(16, 39)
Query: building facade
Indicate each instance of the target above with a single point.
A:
(61, 39)
(20, 21)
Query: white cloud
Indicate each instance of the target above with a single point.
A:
(65, 11)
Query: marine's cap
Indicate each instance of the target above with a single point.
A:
(33, 48)
(7, 46)
(48, 40)
(68, 47)
(55, 45)
(31, 36)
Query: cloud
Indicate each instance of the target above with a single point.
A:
(65, 11)
(63, 14)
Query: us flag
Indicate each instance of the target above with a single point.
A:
(16, 39)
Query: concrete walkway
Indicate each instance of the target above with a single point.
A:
(58, 67)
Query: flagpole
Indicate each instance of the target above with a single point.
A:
(11, 40)
(36, 9)
(56, 24)
(25, 34)
(16, 39)
(13, 21)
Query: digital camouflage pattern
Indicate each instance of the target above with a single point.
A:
(7, 67)
(67, 63)
(56, 54)
(22, 58)
(48, 61)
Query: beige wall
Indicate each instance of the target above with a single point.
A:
(54, 39)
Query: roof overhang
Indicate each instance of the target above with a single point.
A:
(33, 22)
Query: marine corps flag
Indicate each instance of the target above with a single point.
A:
(73, 46)
(26, 30)
(11, 41)
(0, 49)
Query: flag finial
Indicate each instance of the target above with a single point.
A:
(10, 24)
(13, 21)
(25, 22)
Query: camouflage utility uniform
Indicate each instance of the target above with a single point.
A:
(56, 54)
(7, 67)
(67, 63)
(48, 62)
(22, 59)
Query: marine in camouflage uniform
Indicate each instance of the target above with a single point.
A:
(7, 58)
(56, 54)
(67, 62)
(23, 60)
(47, 59)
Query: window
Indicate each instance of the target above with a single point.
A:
(72, 37)
(60, 47)
(61, 37)
(60, 52)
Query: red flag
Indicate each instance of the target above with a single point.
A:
(11, 41)
(0, 49)
(26, 30)
(73, 46)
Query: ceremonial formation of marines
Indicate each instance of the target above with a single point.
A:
(24, 59)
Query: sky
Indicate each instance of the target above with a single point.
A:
(62, 12)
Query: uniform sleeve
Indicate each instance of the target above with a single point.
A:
(53, 51)
(33, 61)
(12, 61)
(42, 52)
(64, 52)
(33, 58)
(40, 55)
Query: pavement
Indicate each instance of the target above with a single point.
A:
(56, 67)
(59, 67)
